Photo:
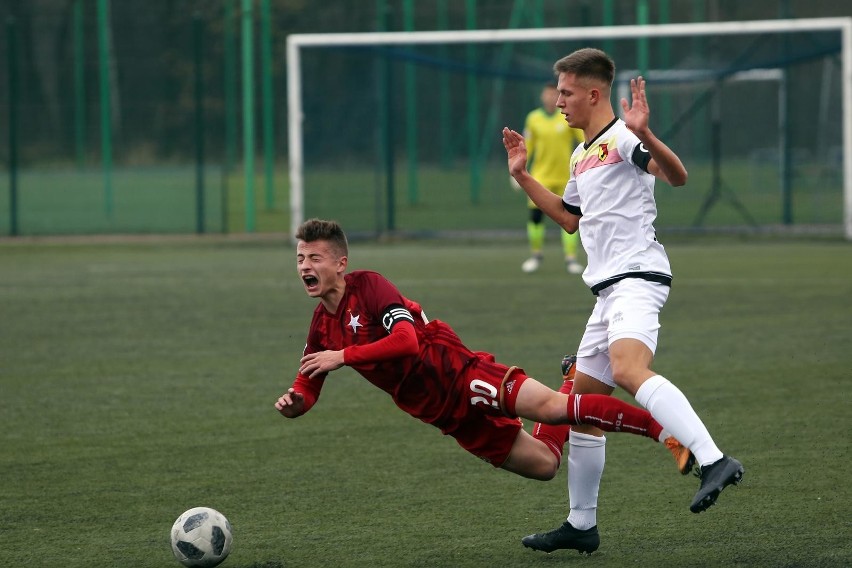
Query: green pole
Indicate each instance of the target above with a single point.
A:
(106, 111)
(537, 22)
(79, 86)
(538, 13)
(268, 108)
(198, 50)
(248, 112)
(506, 51)
(608, 20)
(642, 15)
(410, 109)
(784, 11)
(665, 62)
(230, 87)
(386, 99)
(472, 102)
(12, 60)
(230, 92)
(700, 136)
(444, 93)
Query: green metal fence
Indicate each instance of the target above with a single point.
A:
(170, 117)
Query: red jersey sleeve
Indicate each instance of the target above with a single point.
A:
(401, 342)
(308, 388)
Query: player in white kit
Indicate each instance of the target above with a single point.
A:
(610, 199)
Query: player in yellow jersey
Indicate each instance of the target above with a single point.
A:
(550, 142)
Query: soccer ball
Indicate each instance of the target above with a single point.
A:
(201, 537)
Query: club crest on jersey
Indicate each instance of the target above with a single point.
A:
(354, 323)
(603, 152)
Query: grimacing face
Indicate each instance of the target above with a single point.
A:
(319, 266)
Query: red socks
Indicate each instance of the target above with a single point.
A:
(612, 415)
(605, 412)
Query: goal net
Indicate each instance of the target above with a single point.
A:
(399, 132)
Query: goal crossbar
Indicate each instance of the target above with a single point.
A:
(297, 42)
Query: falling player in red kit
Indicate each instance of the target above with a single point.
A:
(364, 322)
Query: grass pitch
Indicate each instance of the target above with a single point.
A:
(137, 380)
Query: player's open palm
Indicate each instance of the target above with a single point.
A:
(636, 114)
(516, 150)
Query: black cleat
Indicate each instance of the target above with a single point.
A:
(565, 537)
(714, 478)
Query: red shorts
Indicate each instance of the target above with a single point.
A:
(467, 394)
(482, 427)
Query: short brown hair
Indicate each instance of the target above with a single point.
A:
(587, 63)
(321, 230)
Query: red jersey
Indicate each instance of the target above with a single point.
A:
(425, 385)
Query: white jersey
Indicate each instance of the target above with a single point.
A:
(614, 195)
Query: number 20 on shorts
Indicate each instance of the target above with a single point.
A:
(484, 393)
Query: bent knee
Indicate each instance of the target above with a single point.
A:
(541, 464)
(546, 471)
(547, 464)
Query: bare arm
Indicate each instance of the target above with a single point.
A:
(544, 199)
(664, 164)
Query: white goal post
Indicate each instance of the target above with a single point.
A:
(297, 42)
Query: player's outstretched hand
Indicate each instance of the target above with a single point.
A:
(314, 364)
(516, 151)
(290, 404)
(636, 114)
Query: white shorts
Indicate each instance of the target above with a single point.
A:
(629, 308)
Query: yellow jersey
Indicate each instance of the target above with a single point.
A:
(550, 143)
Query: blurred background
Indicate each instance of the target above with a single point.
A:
(171, 116)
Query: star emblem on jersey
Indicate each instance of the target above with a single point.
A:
(354, 323)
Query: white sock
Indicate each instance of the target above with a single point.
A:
(586, 456)
(668, 405)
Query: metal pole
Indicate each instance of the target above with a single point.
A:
(79, 86)
(665, 63)
(106, 113)
(699, 136)
(248, 112)
(11, 53)
(784, 126)
(386, 99)
(410, 109)
(198, 50)
(268, 108)
(444, 93)
(499, 84)
(642, 17)
(294, 137)
(230, 87)
(472, 102)
(608, 20)
(846, 118)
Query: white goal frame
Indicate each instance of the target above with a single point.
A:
(297, 42)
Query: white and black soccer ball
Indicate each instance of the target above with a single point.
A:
(201, 537)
